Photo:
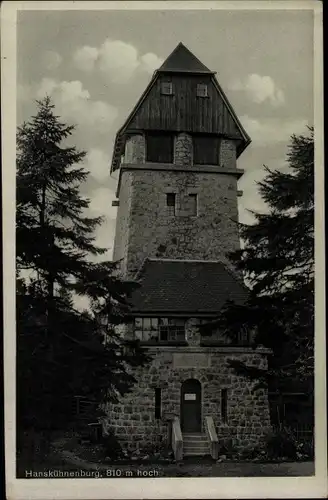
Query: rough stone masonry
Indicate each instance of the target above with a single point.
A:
(134, 422)
(142, 192)
(183, 211)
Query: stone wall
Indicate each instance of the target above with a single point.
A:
(133, 420)
(154, 233)
(145, 228)
(121, 241)
(227, 154)
(183, 150)
(135, 149)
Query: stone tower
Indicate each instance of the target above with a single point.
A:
(177, 154)
(177, 212)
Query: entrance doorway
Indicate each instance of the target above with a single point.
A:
(191, 406)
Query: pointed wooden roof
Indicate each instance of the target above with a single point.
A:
(182, 60)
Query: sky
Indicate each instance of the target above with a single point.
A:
(96, 64)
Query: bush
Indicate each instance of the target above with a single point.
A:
(227, 448)
(305, 450)
(156, 450)
(281, 443)
(254, 453)
(111, 446)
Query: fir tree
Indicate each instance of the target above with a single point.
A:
(61, 351)
(277, 261)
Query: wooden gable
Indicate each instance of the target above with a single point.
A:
(182, 110)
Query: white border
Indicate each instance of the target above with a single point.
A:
(285, 487)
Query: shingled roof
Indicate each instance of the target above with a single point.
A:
(185, 286)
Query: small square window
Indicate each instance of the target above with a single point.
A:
(170, 203)
(166, 88)
(202, 90)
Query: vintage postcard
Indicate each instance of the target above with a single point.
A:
(163, 249)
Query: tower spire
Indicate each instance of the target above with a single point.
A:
(182, 60)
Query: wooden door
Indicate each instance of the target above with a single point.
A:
(191, 406)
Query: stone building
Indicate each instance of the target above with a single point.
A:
(177, 198)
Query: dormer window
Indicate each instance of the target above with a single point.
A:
(167, 88)
(202, 90)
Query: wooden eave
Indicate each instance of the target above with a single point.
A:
(247, 139)
(119, 139)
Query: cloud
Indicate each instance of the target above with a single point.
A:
(73, 102)
(101, 203)
(149, 62)
(268, 131)
(51, 60)
(85, 58)
(251, 199)
(118, 60)
(24, 92)
(105, 238)
(97, 162)
(260, 89)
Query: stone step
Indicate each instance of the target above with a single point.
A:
(195, 443)
(196, 447)
(195, 454)
(194, 437)
(196, 451)
(194, 434)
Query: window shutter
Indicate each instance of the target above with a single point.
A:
(160, 148)
(167, 88)
(206, 150)
(202, 90)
